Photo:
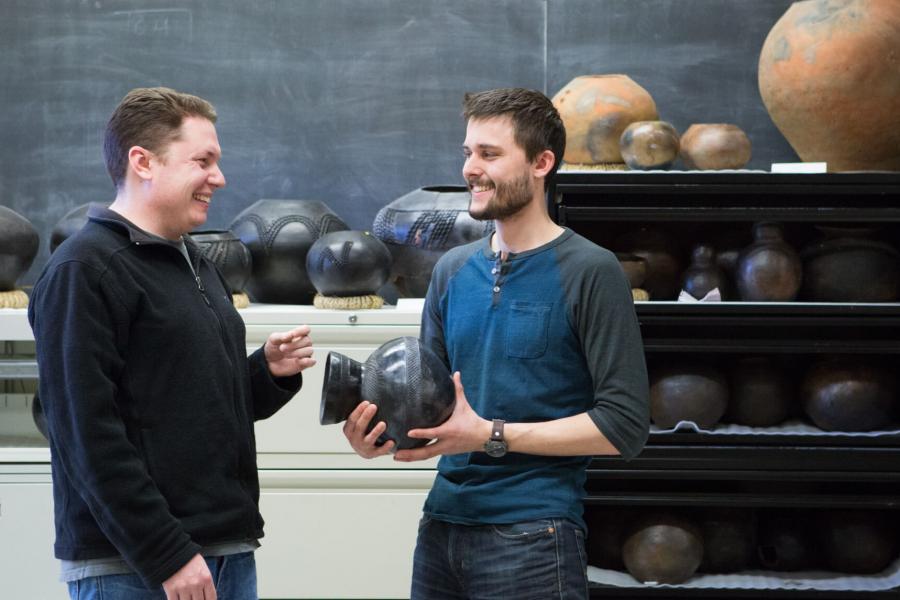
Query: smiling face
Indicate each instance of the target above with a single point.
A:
(184, 177)
(498, 174)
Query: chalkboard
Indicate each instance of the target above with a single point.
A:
(351, 102)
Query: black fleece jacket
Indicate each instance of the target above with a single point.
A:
(150, 400)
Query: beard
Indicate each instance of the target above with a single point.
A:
(509, 198)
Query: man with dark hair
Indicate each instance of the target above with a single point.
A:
(539, 323)
(144, 377)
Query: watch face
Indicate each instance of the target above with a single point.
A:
(495, 448)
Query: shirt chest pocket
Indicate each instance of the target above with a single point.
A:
(528, 328)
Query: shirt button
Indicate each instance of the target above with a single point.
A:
(496, 289)
(494, 271)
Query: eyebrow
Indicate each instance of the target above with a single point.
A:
(483, 147)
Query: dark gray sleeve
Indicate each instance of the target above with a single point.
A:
(602, 312)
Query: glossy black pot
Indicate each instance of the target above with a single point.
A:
(407, 381)
(228, 253)
(419, 227)
(69, 224)
(18, 246)
(348, 263)
(279, 233)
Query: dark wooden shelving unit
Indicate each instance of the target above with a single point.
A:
(693, 470)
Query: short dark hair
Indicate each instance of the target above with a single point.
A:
(150, 118)
(537, 125)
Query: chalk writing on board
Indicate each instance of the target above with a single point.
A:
(158, 23)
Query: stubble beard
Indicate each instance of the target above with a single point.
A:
(509, 198)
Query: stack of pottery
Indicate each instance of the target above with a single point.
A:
(595, 110)
(347, 268)
(278, 234)
(231, 257)
(419, 227)
(828, 76)
(18, 246)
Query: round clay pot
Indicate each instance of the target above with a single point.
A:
(850, 269)
(419, 227)
(406, 381)
(695, 393)
(785, 542)
(18, 246)
(761, 394)
(713, 146)
(829, 77)
(635, 268)
(279, 233)
(348, 263)
(858, 541)
(768, 270)
(841, 394)
(704, 275)
(70, 223)
(649, 145)
(663, 548)
(663, 279)
(228, 253)
(595, 110)
(729, 540)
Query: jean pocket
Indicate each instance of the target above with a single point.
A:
(526, 529)
(527, 332)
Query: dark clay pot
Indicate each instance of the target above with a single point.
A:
(635, 268)
(71, 223)
(228, 253)
(851, 269)
(663, 548)
(348, 263)
(843, 395)
(18, 246)
(857, 541)
(649, 145)
(407, 381)
(761, 393)
(663, 258)
(696, 393)
(768, 270)
(419, 227)
(704, 275)
(785, 542)
(279, 233)
(729, 540)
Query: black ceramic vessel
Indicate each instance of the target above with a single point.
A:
(348, 263)
(407, 381)
(228, 253)
(420, 226)
(69, 224)
(18, 246)
(279, 233)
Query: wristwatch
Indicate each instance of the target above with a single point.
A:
(496, 446)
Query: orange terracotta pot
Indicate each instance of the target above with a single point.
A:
(829, 75)
(596, 109)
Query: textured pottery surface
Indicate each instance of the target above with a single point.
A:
(18, 246)
(785, 542)
(348, 263)
(703, 274)
(649, 145)
(228, 253)
(406, 381)
(850, 269)
(663, 548)
(829, 75)
(844, 395)
(595, 110)
(729, 540)
(696, 393)
(419, 227)
(714, 146)
(663, 256)
(761, 393)
(279, 233)
(769, 269)
(857, 541)
(70, 223)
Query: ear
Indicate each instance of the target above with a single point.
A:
(139, 162)
(543, 164)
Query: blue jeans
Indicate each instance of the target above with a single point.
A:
(234, 577)
(539, 560)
